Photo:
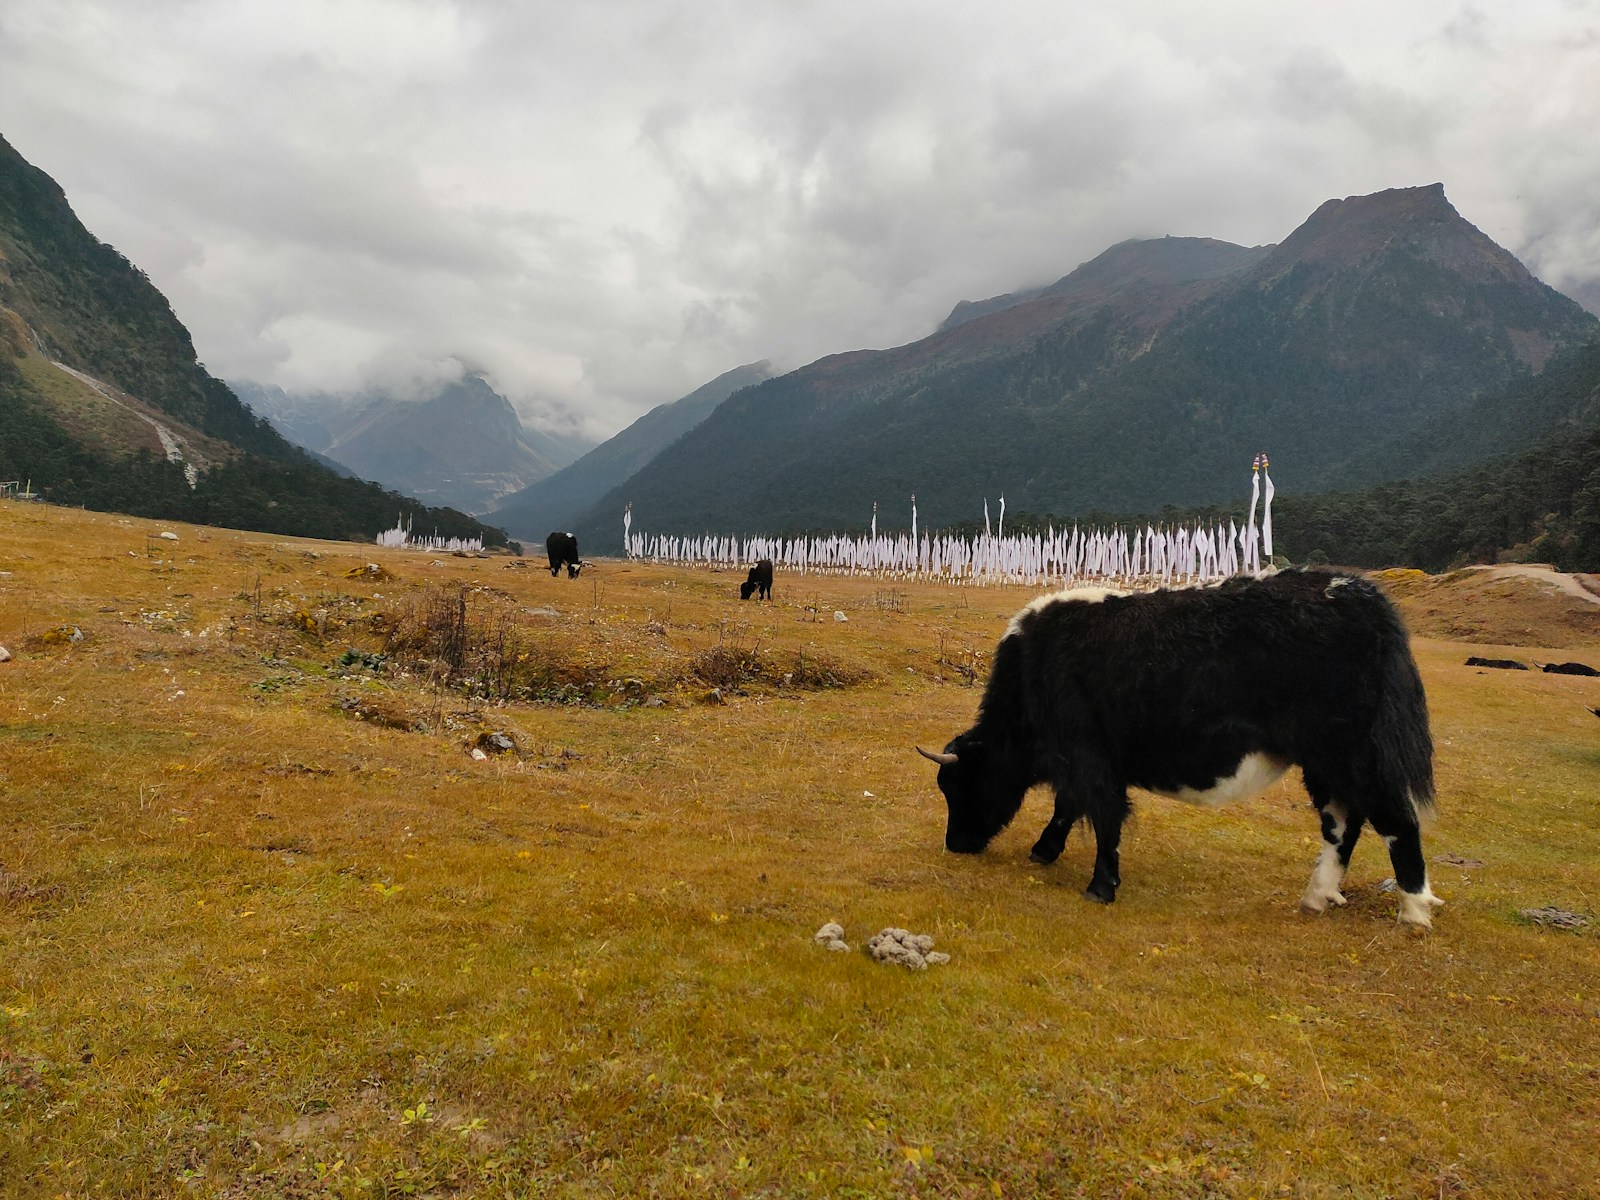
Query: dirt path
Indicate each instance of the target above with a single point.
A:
(174, 446)
(1566, 583)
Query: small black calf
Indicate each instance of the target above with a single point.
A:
(760, 577)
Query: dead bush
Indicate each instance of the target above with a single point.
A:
(470, 639)
(734, 666)
(816, 672)
(729, 665)
(384, 711)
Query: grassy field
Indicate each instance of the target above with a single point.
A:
(268, 928)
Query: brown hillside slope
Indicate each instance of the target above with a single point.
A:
(1516, 605)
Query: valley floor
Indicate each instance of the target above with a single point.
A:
(268, 927)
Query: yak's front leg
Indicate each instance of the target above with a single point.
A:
(1340, 831)
(1087, 786)
(1054, 838)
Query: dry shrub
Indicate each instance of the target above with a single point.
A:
(728, 665)
(474, 641)
(735, 666)
(16, 890)
(432, 629)
(469, 639)
(816, 672)
(383, 711)
(61, 635)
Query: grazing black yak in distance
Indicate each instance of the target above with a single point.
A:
(1206, 695)
(760, 577)
(563, 551)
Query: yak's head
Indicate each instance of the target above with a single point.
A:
(746, 588)
(982, 789)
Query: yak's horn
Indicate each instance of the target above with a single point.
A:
(944, 759)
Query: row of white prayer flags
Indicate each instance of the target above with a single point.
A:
(1185, 553)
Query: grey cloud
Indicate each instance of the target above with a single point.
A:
(602, 206)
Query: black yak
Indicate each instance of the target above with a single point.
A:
(563, 551)
(1204, 694)
(760, 578)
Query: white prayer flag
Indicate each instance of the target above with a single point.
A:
(1266, 515)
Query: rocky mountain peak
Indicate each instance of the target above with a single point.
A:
(1418, 221)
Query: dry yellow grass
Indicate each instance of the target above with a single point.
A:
(267, 928)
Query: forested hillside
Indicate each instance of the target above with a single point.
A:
(1540, 506)
(1539, 503)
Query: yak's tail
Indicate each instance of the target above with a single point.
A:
(1404, 744)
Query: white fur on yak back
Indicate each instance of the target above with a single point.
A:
(1075, 595)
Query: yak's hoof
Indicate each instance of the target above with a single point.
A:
(1043, 857)
(1416, 909)
(1098, 895)
(1318, 903)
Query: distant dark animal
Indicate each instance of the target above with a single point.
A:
(760, 577)
(1204, 695)
(1569, 668)
(1503, 664)
(563, 550)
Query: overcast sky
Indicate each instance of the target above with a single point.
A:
(604, 204)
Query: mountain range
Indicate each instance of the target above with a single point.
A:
(461, 445)
(1352, 352)
(1384, 339)
(559, 500)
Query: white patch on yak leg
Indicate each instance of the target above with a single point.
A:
(1323, 887)
(1416, 908)
(1255, 773)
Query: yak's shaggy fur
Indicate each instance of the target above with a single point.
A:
(1206, 695)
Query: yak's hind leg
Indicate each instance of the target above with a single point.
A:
(1340, 831)
(1107, 812)
(1395, 820)
(1344, 801)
